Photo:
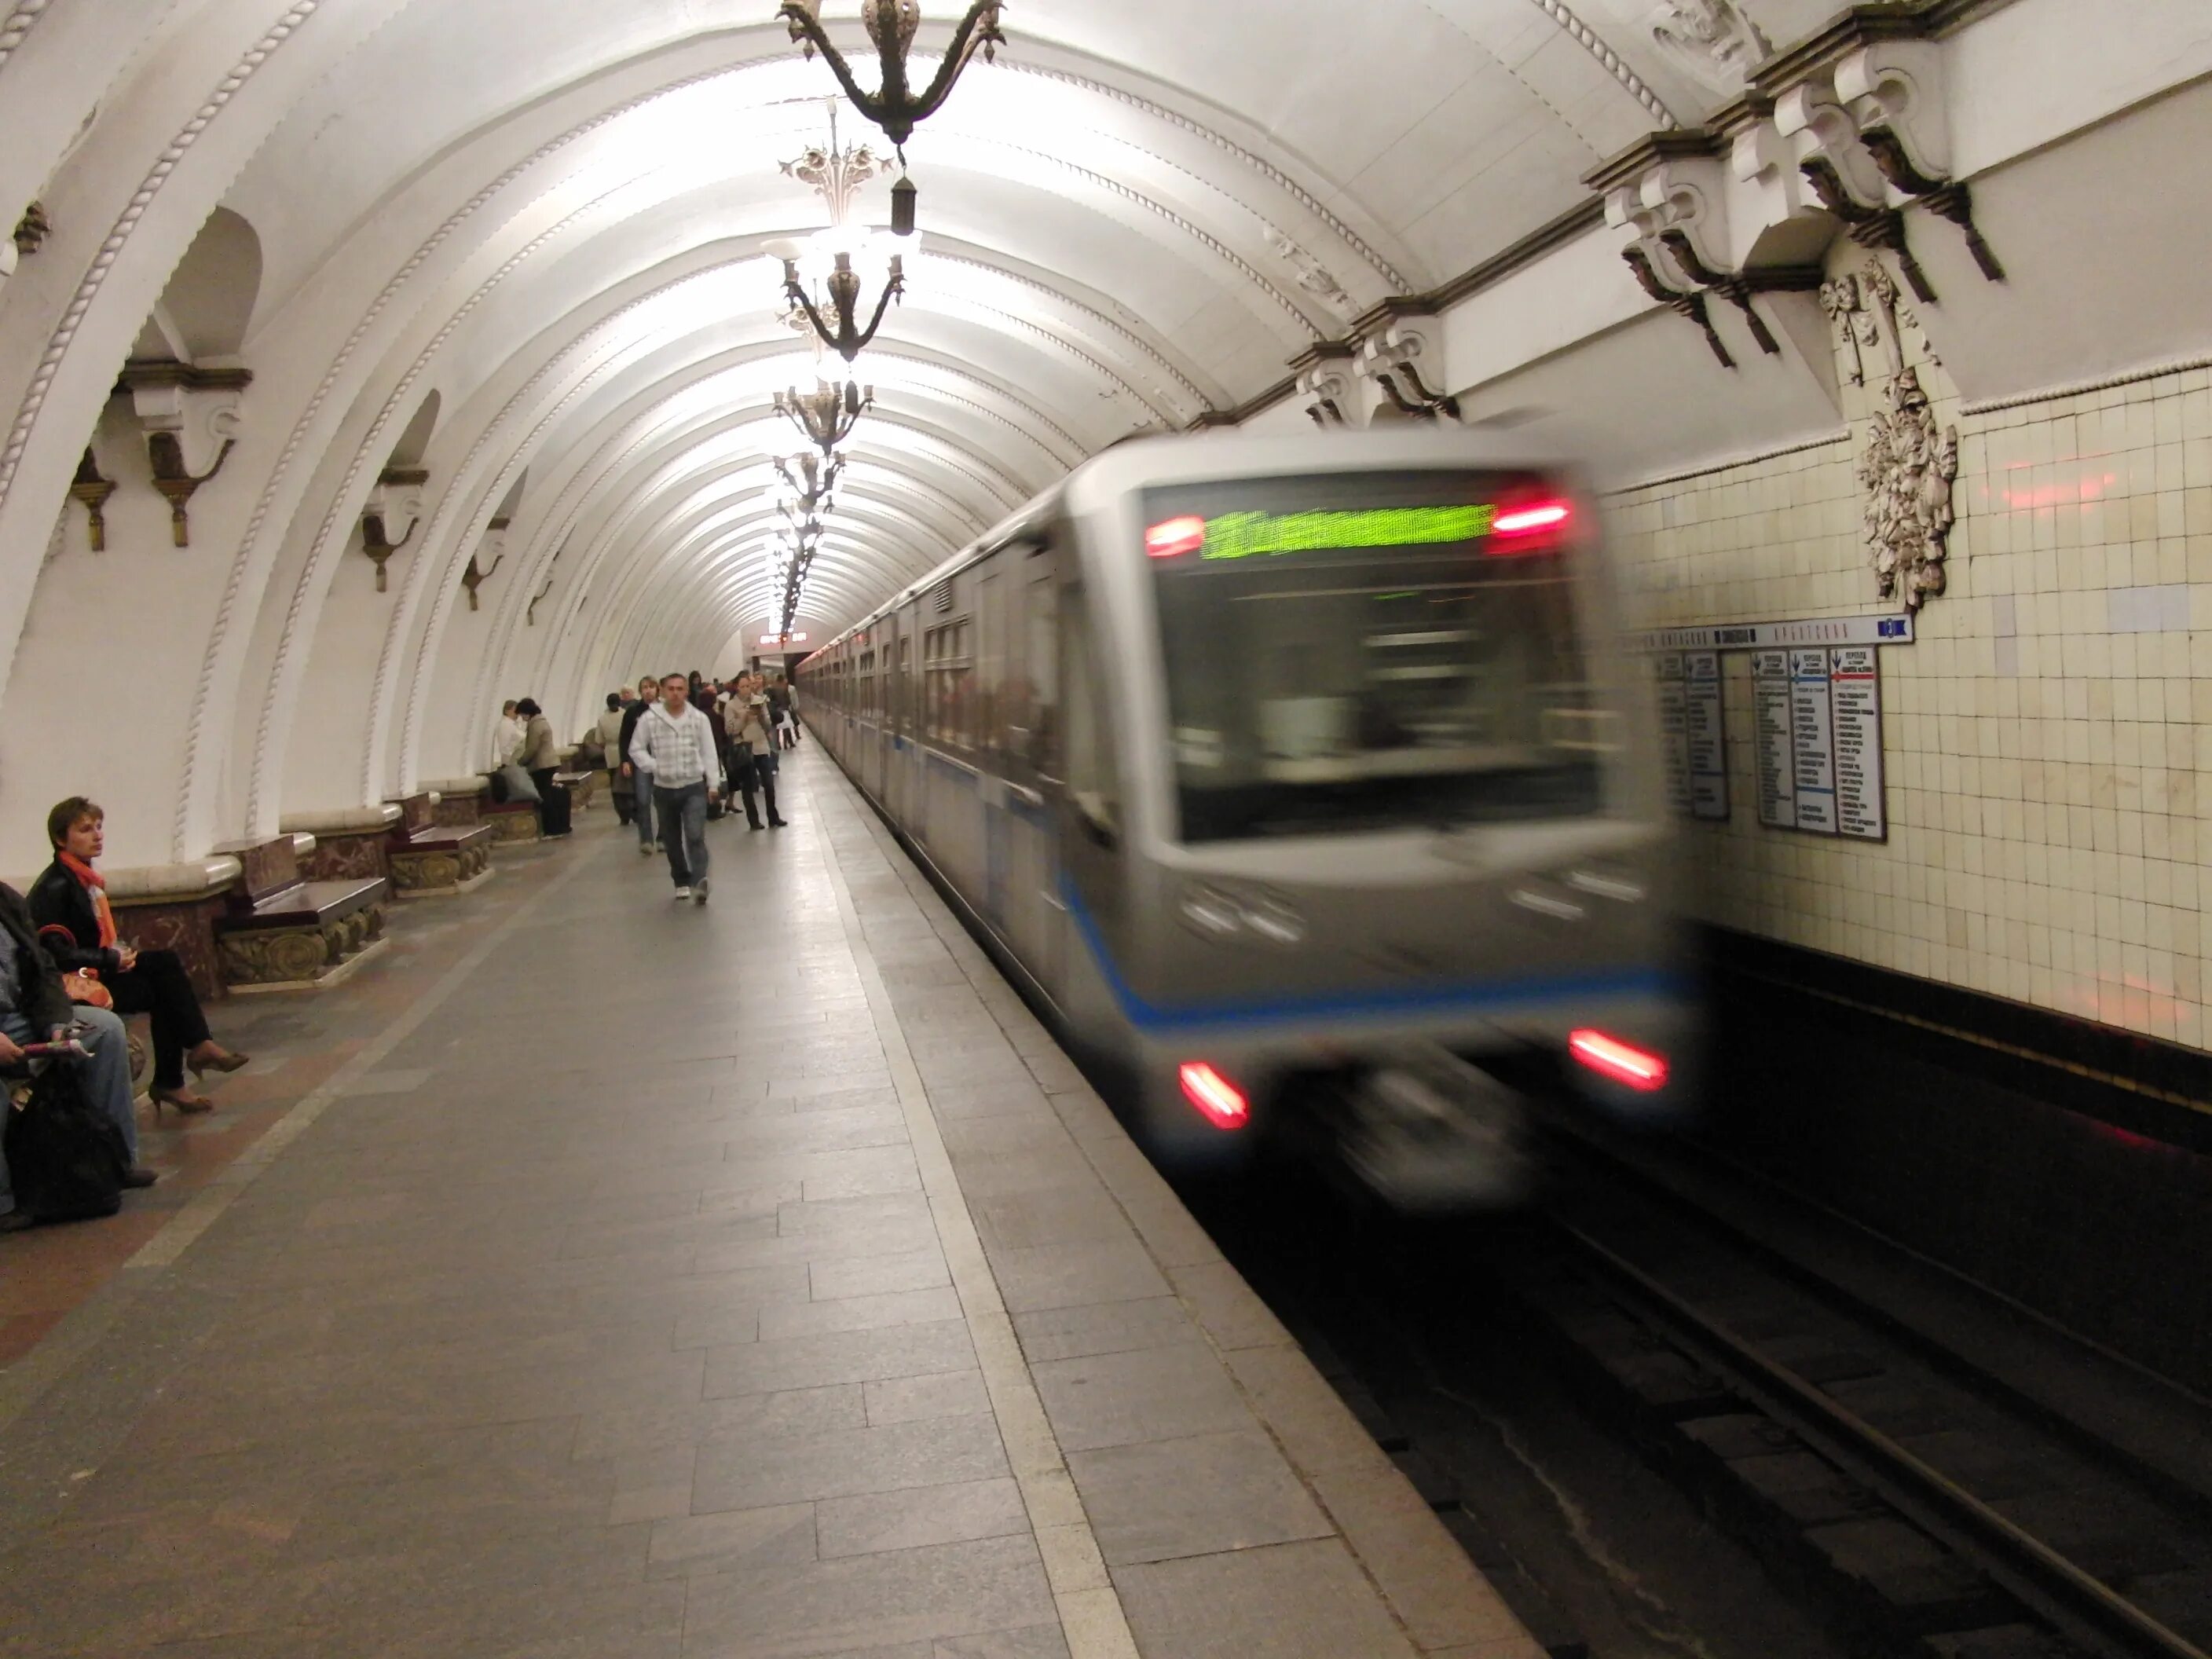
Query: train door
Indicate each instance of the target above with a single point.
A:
(1034, 908)
(1090, 815)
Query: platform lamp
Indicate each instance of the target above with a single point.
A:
(894, 105)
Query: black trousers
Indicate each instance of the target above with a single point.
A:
(760, 776)
(159, 986)
(552, 803)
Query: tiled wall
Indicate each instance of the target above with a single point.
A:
(2048, 738)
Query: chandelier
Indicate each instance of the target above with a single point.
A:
(807, 484)
(847, 339)
(789, 567)
(828, 414)
(893, 106)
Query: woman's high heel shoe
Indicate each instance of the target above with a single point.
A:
(225, 1062)
(177, 1100)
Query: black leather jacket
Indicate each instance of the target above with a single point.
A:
(37, 987)
(58, 899)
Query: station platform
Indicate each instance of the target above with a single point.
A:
(599, 1276)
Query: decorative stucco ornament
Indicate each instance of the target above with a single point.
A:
(1314, 278)
(1908, 469)
(1840, 300)
(1713, 40)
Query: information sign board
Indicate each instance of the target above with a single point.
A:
(1704, 735)
(1855, 695)
(1776, 760)
(1812, 742)
(1674, 730)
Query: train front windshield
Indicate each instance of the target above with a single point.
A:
(1373, 651)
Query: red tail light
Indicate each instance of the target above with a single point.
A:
(1221, 1101)
(1623, 1062)
(1527, 526)
(1175, 537)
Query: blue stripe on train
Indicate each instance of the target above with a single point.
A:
(1460, 997)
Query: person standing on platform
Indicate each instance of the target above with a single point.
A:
(750, 728)
(673, 747)
(609, 735)
(648, 693)
(541, 758)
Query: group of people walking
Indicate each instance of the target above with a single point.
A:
(681, 747)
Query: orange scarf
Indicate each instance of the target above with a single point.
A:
(96, 884)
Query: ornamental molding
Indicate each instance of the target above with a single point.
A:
(1714, 42)
(26, 13)
(157, 177)
(495, 543)
(1908, 470)
(1842, 132)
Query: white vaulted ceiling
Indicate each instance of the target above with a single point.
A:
(557, 216)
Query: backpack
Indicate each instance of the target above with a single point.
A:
(66, 1158)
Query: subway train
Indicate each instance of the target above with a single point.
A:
(1303, 784)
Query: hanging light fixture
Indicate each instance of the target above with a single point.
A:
(848, 339)
(828, 414)
(894, 105)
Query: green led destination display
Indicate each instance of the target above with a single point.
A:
(1246, 535)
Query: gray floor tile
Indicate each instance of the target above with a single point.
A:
(1303, 1601)
(911, 1398)
(1147, 1394)
(699, 1544)
(809, 1361)
(1067, 1275)
(741, 1473)
(1155, 1322)
(918, 1515)
(1195, 1497)
(1038, 1642)
(916, 1270)
(859, 1313)
(847, 1605)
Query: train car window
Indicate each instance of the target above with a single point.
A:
(900, 711)
(990, 659)
(1358, 651)
(1093, 782)
(1041, 674)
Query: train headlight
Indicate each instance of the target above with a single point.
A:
(1211, 912)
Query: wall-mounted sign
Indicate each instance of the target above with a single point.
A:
(772, 641)
(1696, 736)
(1817, 730)
(1753, 637)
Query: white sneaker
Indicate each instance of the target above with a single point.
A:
(699, 890)
(648, 848)
(683, 893)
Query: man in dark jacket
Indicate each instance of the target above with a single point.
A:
(648, 693)
(33, 1008)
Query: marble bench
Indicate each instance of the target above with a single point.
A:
(281, 930)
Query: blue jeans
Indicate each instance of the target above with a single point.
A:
(682, 815)
(106, 1076)
(644, 799)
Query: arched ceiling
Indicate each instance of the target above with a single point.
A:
(562, 218)
(1139, 212)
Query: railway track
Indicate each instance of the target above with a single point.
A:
(1912, 1503)
(1941, 1501)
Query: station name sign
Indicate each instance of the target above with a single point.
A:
(1771, 635)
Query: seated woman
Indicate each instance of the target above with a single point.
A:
(69, 902)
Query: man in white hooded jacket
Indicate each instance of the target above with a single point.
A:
(673, 751)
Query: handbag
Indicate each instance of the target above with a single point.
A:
(79, 984)
(519, 784)
(66, 1158)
